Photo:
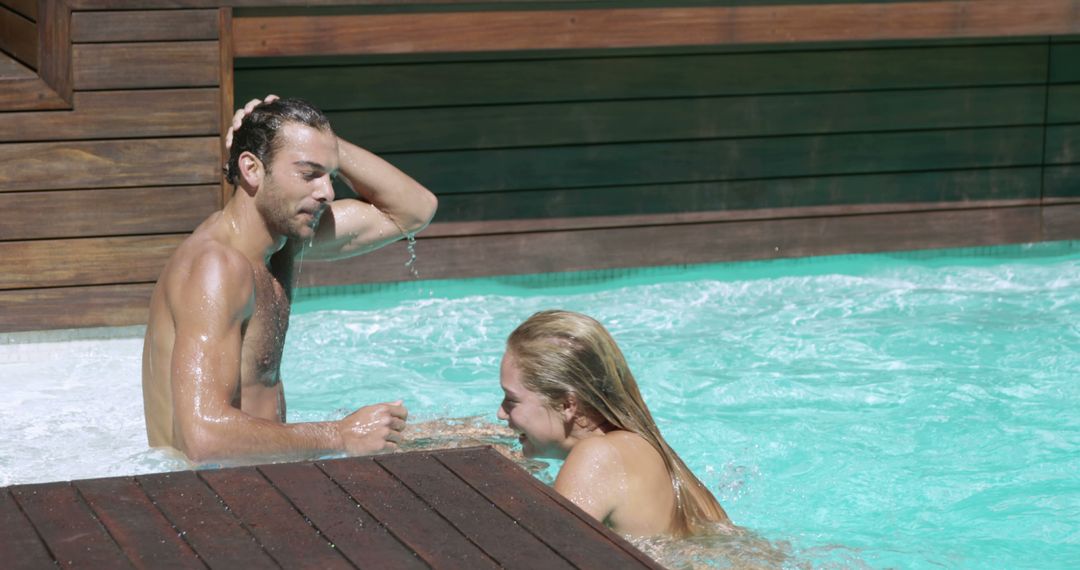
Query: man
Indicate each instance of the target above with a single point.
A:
(219, 312)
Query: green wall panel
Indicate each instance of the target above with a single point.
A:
(1063, 105)
(1062, 182)
(1065, 63)
(689, 161)
(695, 75)
(927, 188)
(491, 126)
(1063, 144)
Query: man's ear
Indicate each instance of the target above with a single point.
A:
(251, 172)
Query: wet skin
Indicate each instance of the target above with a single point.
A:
(612, 474)
(212, 385)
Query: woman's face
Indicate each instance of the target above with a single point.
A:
(543, 431)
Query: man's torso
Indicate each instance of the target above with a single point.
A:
(259, 391)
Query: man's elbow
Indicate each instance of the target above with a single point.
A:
(424, 211)
(200, 445)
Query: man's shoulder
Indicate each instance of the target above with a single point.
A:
(203, 263)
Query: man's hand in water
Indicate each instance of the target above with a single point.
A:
(373, 428)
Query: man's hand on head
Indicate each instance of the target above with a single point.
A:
(238, 117)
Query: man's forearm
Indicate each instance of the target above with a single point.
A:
(396, 194)
(239, 435)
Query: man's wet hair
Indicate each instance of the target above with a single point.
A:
(259, 133)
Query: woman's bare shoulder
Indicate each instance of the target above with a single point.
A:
(609, 458)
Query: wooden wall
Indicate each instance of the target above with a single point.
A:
(96, 196)
(598, 159)
(543, 160)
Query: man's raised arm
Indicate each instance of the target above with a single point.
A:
(391, 205)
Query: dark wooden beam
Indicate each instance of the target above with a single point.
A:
(144, 26)
(52, 87)
(648, 27)
(19, 37)
(54, 48)
(28, 8)
(226, 91)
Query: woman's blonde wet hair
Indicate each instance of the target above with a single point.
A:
(561, 353)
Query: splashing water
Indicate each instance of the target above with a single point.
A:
(411, 263)
(411, 237)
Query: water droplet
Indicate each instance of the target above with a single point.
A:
(411, 263)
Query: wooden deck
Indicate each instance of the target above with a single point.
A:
(463, 508)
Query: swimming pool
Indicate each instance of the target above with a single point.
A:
(903, 410)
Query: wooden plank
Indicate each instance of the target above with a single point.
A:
(499, 535)
(661, 75)
(105, 164)
(129, 4)
(20, 546)
(279, 528)
(226, 90)
(1061, 222)
(784, 197)
(540, 513)
(218, 537)
(351, 529)
(117, 211)
(12, 69)
(432, 538)
(144, 26)
(19, 37)
(608, 248)
(119, 114)
(68, 526)
(28, 8)
(1063, 144)
(29, 93)
(620, 28)
(54, 39)
(146, 65)
(86, 261)
(455, 128)
(72, 307)
(718, 160)
(1065, 63)
(1062, 183)
(1063, 105)
(146, 538)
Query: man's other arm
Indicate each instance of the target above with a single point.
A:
(391, 205)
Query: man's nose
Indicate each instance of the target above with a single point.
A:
(325, 190)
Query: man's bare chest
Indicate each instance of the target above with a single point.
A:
(264, 336)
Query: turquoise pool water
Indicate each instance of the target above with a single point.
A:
(913, 410)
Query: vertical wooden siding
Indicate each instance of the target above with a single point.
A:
(98, 196)
(605, 159)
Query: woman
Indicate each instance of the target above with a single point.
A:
(570, 395)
